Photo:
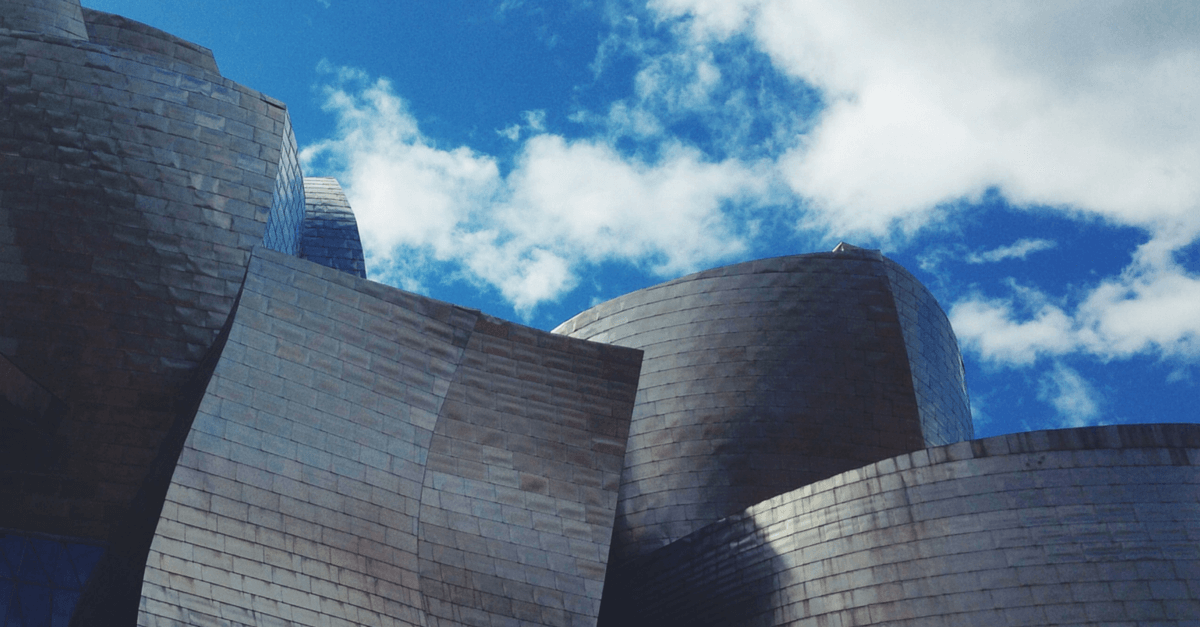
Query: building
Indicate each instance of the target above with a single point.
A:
(208, 415)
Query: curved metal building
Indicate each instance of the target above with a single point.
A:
(1090, 526)
(765, 376)
(210, 416)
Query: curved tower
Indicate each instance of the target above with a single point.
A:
(765, 376)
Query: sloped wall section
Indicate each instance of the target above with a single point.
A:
(368, 456)
(1092, 526)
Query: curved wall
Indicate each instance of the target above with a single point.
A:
(759, 378)
(330, 234)
(364, 455)
(939, 378)
(60, 18)
(113, 30)
(1092, 526)
(133, 186)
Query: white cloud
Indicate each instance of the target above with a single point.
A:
(1077, 402)
(993, 329)
(565, 204)
(1088, 106)
(1152, 307)
(1017, 250)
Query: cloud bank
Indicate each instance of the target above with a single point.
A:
(1083, 110)
(528, 233)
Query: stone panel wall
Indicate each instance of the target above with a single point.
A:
(133, 186)
(330, 236)
(60, 18)
(368, 456)
(1093, 526)
(113, 30)
(758, 378)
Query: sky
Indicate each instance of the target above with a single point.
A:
(1036, 165)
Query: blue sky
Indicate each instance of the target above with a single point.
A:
(1036, 165)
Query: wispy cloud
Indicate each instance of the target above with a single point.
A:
(1153, 307)
(1018, 250)
(1077, 402)
(566, 204)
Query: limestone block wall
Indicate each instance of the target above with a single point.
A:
(60, 18)
(133, 186)
(368, 456)
(1093, 526)
(330, 235)
(758, 378)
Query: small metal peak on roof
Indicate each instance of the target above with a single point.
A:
(843, 247)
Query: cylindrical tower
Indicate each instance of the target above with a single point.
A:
(765, 376)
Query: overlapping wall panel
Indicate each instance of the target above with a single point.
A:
(521, 485)
(133, 186)
(330, 234)
(368, 456)
(1094, 526)
(758, 378)
(939, 379)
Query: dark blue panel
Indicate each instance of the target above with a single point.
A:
(56, 563)
(10, 557)
(85, 557)
(35, 605)
(31, 568)
(64, 605)
(6, 589)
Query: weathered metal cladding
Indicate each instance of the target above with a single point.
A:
(1089, 526)
(363, 455)
(60, 18)
(330, 235)
(134, 182)
(762, 377)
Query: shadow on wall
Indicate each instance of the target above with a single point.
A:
(725, 574)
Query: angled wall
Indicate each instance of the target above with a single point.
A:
(367, 456)
(759, 378)
(1093, 526)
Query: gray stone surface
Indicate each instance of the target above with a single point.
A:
(330, 235)
(367, 456)
(61, 18)
(1093, 526)
(765, 376)
(113, 30)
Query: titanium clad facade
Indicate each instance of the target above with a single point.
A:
(763, 377)
(209, 416)
(1091, 526)
(367, 456)
(60, 18)
(134, 182)
(330, 232)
